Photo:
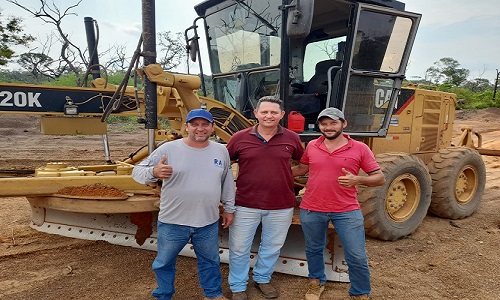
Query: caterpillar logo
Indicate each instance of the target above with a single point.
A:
(382, 96)
(19, 99)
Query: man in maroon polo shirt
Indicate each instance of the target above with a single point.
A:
(264, 194)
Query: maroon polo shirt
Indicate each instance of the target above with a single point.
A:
(265, 179)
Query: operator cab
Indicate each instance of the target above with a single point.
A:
(346, 54)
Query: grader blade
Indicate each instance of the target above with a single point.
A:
(138, 230)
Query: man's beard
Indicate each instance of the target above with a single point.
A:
(336, 135)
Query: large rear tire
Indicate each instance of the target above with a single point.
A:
(458, 179)
(397, 208)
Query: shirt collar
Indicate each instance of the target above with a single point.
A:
(254, 130)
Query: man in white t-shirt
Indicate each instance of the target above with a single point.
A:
(197, 176)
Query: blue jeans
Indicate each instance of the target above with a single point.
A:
(350, 229)
(171, 239)
(275, 224)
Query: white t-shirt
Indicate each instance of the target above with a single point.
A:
(201, 179)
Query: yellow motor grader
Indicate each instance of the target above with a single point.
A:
(313, 54)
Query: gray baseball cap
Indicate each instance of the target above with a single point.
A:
(331, 113)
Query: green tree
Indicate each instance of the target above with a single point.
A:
(478, 85)
(41, 65)
(11, 35)
(17, 76)
(446, 70)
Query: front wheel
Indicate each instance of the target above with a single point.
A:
(397, 208)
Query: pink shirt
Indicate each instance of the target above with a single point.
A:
(323, 192)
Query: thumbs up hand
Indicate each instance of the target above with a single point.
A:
(162, 170)
(348, 179)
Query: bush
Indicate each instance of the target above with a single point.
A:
(472, 100)
(65, 80)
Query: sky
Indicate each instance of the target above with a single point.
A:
(467, 31)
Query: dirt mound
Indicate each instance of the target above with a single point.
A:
(486, 114)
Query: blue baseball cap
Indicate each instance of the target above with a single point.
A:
(199, 113)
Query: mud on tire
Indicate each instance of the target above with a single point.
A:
(458, 180)
(397, 208)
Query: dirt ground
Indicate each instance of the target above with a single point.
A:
(443, 259)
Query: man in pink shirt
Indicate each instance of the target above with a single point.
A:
(333, 162)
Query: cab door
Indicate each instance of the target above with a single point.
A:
(379, 44)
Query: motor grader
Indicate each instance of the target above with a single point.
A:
(347, 54)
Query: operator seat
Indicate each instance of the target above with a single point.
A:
(319, 81)
(311, 97)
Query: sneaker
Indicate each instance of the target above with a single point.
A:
(361, 297)
(216, 298)
(315, 289)
(240, 296)
(267, 290)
